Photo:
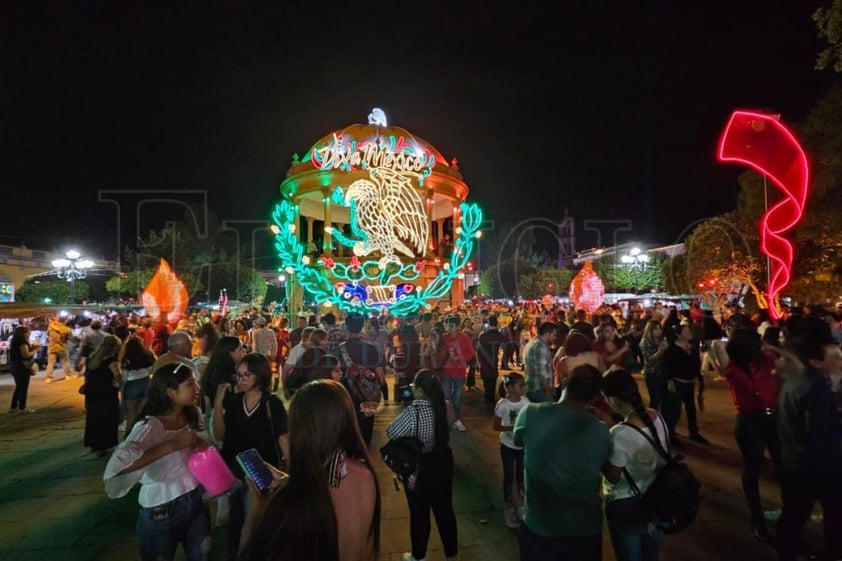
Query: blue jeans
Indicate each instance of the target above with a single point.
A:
(184, 519)
(632, 537)
(567, 548)
(452, 388)
(512, 471)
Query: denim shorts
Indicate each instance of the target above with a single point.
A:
(135, 390)
(184, 520)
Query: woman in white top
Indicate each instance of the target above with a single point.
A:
(155, 454)
(633, 535)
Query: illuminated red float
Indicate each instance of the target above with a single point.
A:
(761, 142)
(586, 289)
(165, 294)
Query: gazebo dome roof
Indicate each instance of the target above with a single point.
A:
(383, 135)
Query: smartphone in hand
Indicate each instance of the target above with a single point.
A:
(256, 469)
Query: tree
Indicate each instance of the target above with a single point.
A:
(550, 281)
(721, 256)
(829, 23)
(619, 277)
(51, 291)
(674, 272)
(205, 264)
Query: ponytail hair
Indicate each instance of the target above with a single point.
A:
(620, 384)
(508, 381)
(427, 380)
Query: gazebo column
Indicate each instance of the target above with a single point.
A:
(431, 246)
(310, 221)
(340, 250)
(327, 238)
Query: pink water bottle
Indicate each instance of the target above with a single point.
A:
(208, 467)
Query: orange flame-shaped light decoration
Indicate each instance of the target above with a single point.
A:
(586, 289)
(165, 294)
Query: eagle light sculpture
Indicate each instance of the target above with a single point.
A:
(391, 214)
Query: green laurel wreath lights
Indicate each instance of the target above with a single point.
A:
(320, 278)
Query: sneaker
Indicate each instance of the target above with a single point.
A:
(696, 437)
(459, 426)
(13, 411)
(30, 410)
(510, 516)
(408, 557)
(48, 380)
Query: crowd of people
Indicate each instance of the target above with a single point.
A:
(578, 441)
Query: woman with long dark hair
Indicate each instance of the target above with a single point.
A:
(653, 345)
(426, 419)
(155, 454)
(329, 509)
(206, 339)
(750, 373)
(221, 369)
(633, 459)
(102, 404)
(21, 353)
(683, 367)
(136, 366)
(250, 417)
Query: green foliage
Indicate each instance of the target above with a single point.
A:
(205, 264)
(725, 248)
(619, 277)
(829, 23)
(674, 273)
(245, 281)
(130, 283)
(551, 281)
(58, 291)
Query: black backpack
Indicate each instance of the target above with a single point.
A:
(403, 454)
(673, 498)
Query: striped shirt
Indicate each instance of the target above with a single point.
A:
(418, 419)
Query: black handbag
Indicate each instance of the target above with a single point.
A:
(403, 454)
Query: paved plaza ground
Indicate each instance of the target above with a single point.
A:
(52, 504)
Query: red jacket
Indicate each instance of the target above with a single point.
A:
(455, 352)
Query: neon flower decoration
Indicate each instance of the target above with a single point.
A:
(586, 289)
(760, 142)
(165, 294)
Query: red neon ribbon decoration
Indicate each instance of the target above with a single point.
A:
(760, 142)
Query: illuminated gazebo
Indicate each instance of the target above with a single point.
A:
(374, 218)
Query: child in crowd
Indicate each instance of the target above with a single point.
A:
(505, 413)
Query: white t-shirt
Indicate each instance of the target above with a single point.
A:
(295, 353)
(508, 412)
(635, 453)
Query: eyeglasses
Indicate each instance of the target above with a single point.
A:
(243, 375)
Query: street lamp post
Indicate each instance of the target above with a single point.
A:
(636, 260)
(72, 268)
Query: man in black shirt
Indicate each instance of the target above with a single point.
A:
(488, 346)
(366, 355)
(810, 429)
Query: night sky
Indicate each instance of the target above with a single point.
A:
(608, 109)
